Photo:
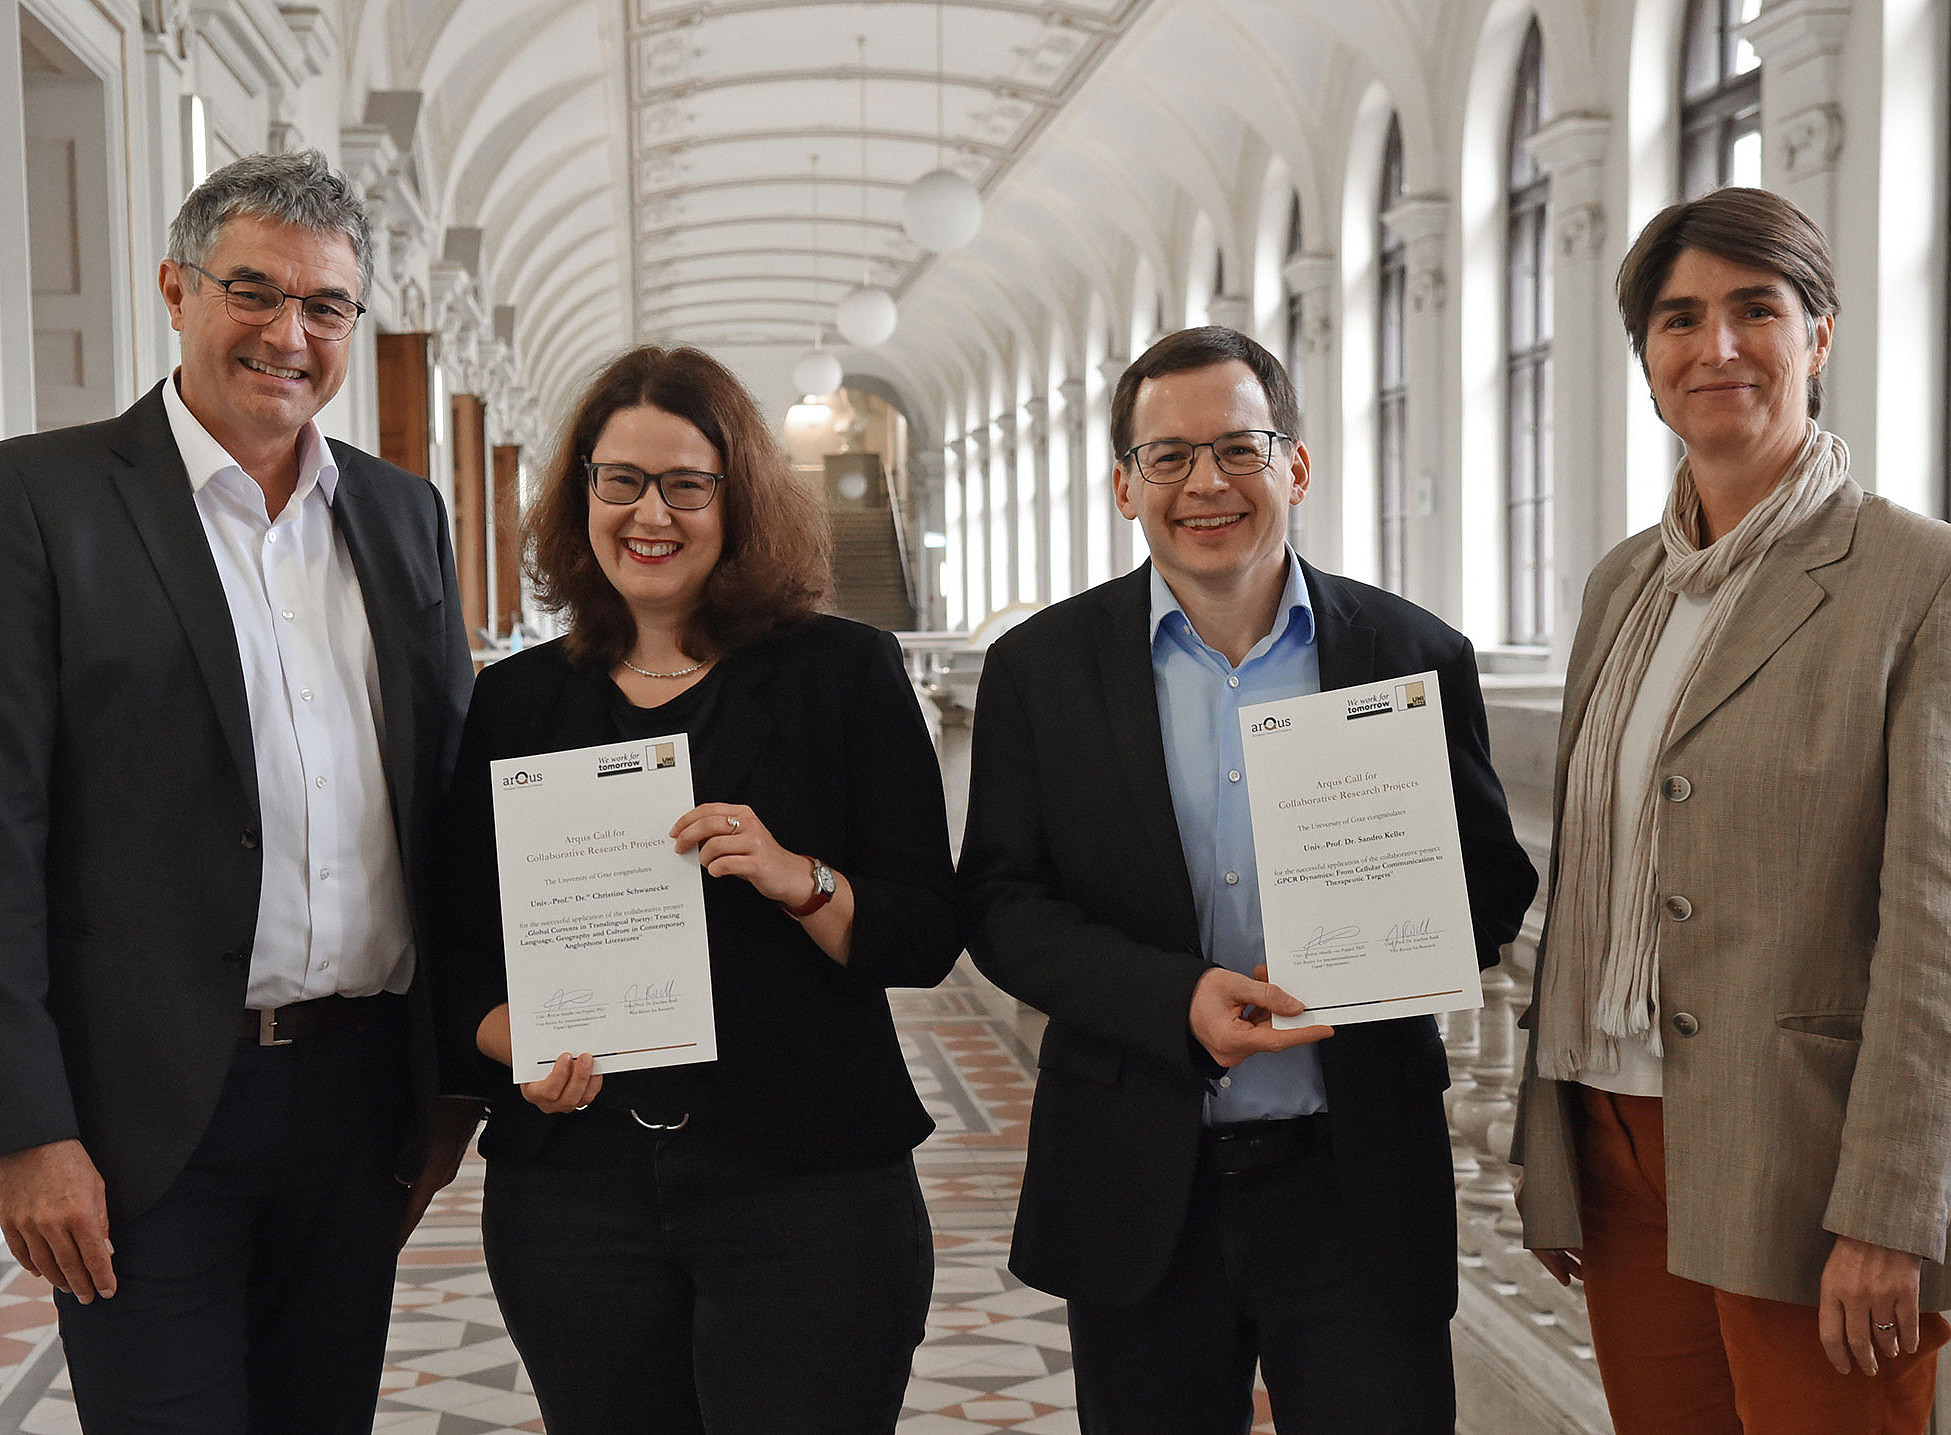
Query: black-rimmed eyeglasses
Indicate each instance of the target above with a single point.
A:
(258, 301)
(1239, 454)
(623, 483)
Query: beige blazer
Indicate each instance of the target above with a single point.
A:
(1809, 836)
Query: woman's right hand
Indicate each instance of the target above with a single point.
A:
(572, 1083)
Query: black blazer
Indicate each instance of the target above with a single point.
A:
(819, 733)
(129, 861)
(1080, 905)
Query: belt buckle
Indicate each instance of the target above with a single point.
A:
(667, 1127)
(267, 1028)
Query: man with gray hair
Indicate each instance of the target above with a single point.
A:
(231, 689)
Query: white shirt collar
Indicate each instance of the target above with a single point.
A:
(204, 458)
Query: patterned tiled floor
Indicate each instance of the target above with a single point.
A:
(997, 1354)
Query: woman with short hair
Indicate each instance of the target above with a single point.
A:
(738, 1245)
(1735, 1122)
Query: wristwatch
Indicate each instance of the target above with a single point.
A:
(823, 889)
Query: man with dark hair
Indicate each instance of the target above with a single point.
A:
(231, 690)
(1207, 1191)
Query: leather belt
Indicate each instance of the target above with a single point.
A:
(1235, 1148)
(300, 1021)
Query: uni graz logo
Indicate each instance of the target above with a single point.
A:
(1271, 724)
(523, 778)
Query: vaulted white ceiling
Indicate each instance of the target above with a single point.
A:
(706, 171)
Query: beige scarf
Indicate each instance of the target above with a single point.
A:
(1602, 985)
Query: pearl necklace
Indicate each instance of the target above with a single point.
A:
(647, 673)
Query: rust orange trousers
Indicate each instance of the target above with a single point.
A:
(1681, 1358)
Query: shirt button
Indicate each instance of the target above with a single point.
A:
(1225, 1081)
(1232, 681)
(249, 839)
(325, 966)
(1232, 879)
(1678, 908)
(1677, 789)
(1233, 776)
(287, 615)
(323, 873)
(272, 536)
(1686, 1023)
(305, 693)
(318, 782)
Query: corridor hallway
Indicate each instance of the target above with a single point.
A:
(996, 1356)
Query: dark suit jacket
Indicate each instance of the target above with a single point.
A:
(818, 732)
(129, 857)
(1080, 905)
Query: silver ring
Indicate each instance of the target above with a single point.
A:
(732, 822)
(1891, 1326)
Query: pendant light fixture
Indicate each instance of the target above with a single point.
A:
(817, 373)
(866, 314)
(942, 210)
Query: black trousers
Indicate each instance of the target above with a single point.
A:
(1266, 1269)
(671, 1284)
(254, 1297)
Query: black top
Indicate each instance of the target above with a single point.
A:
(819, 733)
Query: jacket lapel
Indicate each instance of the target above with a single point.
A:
(1124, 661)
(1778, 600)
(1344, 646)
(384, 590)
(155, 487)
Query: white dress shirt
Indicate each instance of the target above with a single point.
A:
(332, 915)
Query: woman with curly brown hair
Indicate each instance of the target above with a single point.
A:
(737, 1245)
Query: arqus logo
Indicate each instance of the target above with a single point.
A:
(523, 778)
(1271, 724)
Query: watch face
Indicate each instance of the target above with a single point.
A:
(823, 879)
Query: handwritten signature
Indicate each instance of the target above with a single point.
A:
(1324, 937)
(1418, 933)
(565, 998)
(653, 992)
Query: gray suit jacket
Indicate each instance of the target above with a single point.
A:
(129, 847)
(1813, 843)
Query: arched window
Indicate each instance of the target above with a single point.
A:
(1391, 374)
(1720, 98)
(1527, 360)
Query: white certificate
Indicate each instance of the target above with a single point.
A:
(1362, 898)
(603, 922)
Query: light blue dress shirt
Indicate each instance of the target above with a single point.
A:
(1200, 695)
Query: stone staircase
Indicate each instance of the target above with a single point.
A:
(868, 583)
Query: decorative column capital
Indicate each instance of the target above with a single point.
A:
(1071, 391)
(1811, 140)
(1791, 32)
(1419, 217)
(1569, 142)
(1230, 311)
(1581, 233)
(1112, 369)
(1310, 273)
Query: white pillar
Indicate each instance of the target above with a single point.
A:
(1037, 406)
(1432, 574)
(1588, 512)
(1800, 43)
(1316, 277)
(1083, 514)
